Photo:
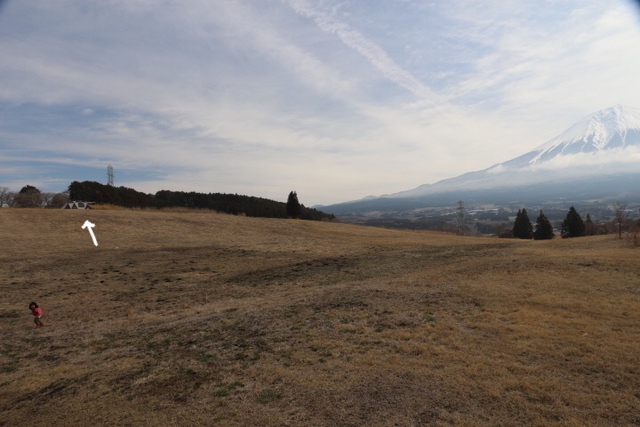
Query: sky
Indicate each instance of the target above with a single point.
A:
(334, 99)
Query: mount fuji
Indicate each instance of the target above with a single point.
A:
(597, 158)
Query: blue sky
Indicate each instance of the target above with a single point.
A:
(334, 99)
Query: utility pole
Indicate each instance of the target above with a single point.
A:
(461, 228)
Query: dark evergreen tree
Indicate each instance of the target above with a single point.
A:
(522, 228)
(294, 209)
(544, 229)
(28, 189)
(573, 226)
(516, 224)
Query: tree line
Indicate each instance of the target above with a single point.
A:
(572, 226)
(91, 191)
(30, 197)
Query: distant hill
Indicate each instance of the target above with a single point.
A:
(235, 204)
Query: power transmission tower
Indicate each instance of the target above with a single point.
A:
(110, 175)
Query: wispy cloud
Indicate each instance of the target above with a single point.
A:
(327, 21)
(335, 99)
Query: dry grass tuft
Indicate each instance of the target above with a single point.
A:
(206, 319)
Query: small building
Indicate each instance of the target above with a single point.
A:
(77, 205)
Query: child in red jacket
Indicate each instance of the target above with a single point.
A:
(37, 314)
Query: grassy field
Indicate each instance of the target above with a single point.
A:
(201, 319)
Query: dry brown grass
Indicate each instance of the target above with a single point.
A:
(204, 319)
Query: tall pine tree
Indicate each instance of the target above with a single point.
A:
(544, 229)
(294, 209)
(573, 226)
(522, 228)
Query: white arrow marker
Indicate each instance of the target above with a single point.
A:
(90, 226)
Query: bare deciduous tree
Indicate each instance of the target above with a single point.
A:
(6, 197)
(47, 198)
(620, 216)
(28, 197)
(59, 200)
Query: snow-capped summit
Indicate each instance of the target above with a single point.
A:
(614, 127)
